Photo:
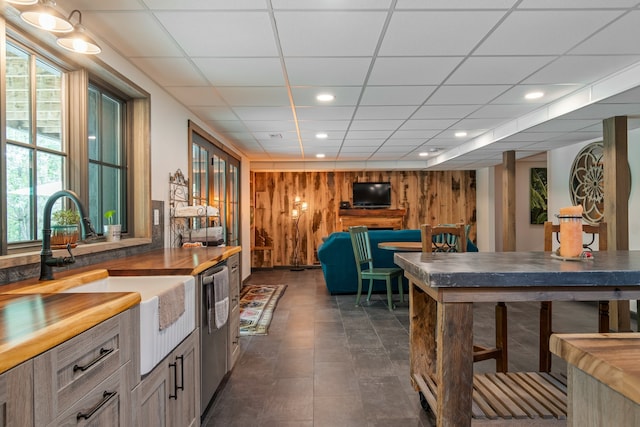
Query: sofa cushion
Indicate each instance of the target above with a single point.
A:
(339, 265)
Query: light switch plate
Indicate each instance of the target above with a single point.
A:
(156, 217)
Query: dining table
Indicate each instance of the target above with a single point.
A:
(401, 246)
(442, 290)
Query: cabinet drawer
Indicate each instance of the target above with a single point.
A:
(108, 404)
(68, 372)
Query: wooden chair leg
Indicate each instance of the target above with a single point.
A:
(400, 290)
(545, 333)
(603, 316)
(389, 293)
(502, 361)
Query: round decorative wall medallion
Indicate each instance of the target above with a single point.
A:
(586, 182)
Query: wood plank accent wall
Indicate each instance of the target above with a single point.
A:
(432, 197)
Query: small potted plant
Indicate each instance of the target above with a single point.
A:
(111, 231)
(65, 229)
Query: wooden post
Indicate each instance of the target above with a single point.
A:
(508, 201)
(617, 184)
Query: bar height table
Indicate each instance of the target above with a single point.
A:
(442, 288)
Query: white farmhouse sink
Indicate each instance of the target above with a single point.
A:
(155, 344)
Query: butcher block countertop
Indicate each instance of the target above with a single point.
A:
(34, 323)
(33, 318)
(613, 358)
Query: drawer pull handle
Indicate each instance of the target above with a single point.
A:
(106, 396)
(180, 387)
(104, 352)
(175, 380)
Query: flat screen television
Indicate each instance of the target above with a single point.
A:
(371, 194)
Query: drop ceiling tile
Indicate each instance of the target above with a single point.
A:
(581, 69)
(466, 94)
(439, 32)
(388, 112)
(471, 125)
(495, 111)
(412, 71)
(455, 4)
(516, 94)
(332, 136)
(327, 71)
(609, 41)
(428, 124)
(576, 4)
(324, 33)
(416, 142)
(264, 113)
(324, 113)
(170, 71)
(221, 33)
(276, 137)
(323, 125)
(497, 70)
(382, 124)
(199, 96)
(344, 95)
(270, 125)
(150, 38)
(368, 134)
(544, 33)
(204, 4)
(241, 71)
(255, 96)
(422, 133)
(330, 4)
(396, 95)
(444, 111)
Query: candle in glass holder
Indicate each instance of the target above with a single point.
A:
(570, 231)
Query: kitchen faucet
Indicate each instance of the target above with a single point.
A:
(47, 260)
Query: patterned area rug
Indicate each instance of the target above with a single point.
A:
(257, 303)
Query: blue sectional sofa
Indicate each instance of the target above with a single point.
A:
(339, 265)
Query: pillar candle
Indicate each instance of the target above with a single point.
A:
(571, 231)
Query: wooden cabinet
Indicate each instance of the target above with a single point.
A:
(233, 264)
(16, 396)
(89, 377)
(373, 218)
(170, 394)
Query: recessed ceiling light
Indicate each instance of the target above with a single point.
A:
(325, 97)
(534, 95)
(320, 156)
(322, 135)
(423, 154)
(460, 134)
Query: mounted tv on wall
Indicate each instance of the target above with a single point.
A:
(371, 195)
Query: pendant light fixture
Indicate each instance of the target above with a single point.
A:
(78, 40)
(45, 17)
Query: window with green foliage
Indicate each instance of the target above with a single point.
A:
(107, 160)
(35, 155)
(39, 147)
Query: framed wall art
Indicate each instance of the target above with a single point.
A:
(538, 195)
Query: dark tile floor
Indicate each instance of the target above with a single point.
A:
(328, 363)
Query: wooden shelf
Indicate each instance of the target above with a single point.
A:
(372, 218)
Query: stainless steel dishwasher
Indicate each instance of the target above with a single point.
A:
(213, 340)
